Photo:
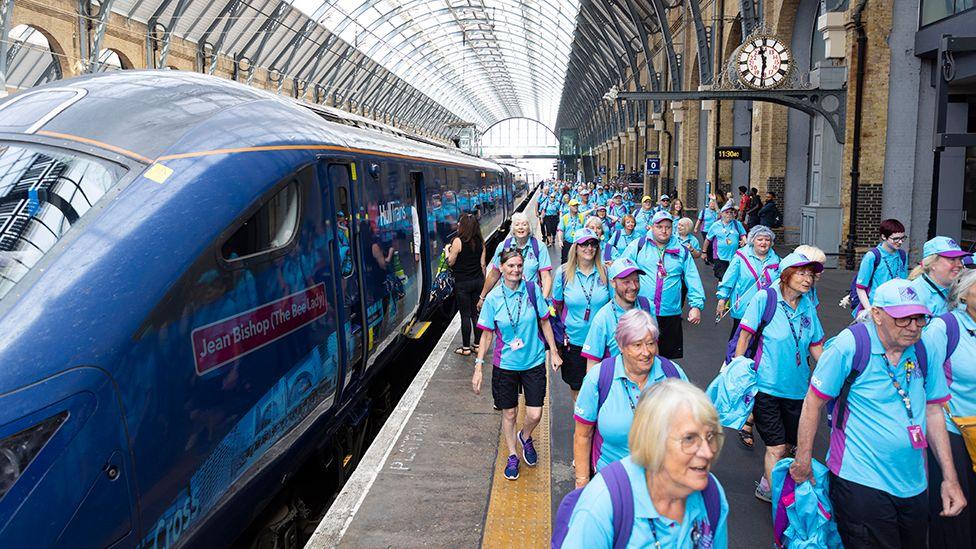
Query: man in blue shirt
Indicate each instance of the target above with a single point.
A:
(667, 266)
(644, 215)
(569, 223)
(600, 341)
(888, 415)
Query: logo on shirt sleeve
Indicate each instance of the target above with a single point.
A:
(816, 381)
(578, 410)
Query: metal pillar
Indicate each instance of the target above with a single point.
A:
(104, 11)
(6, 16)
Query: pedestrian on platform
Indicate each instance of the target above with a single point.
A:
(596, 225)
(664, 484)
(644, 215)
(537, 266)
(725, 236)
(954, 333)
(663, 204)
(813, 253)
(942, 260)
(753, 268)
(569, 223)
(707, 216)
(581, 289)
(686, 237)
(600, 341)
(669, 267)
(743, 202)
(621, 238)
(466, 255)
(677, 210)
(889, 392)
(516, 315)
(602, 427)
(791, 339)
(550, 217)
(884, 262)
(617, 209)
(769, 214)
(755, 204)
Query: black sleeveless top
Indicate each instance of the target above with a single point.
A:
(467, 266)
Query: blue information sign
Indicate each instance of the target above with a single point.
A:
(603, 169)
(653, 166)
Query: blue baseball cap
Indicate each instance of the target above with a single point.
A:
(899, 299)
(584, 235)
(799, 260)
(665, 197)
(661, 216)
(944, 246)
(623, 267)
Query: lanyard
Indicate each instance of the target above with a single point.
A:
(902, 393)
(589, 295)
(935, 287)
(657, 542)
(514, 320)
(789, 322)
(630, 399)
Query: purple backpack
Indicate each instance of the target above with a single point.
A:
(837, 412)
(622, 499)
(753, 348)
(952, 334)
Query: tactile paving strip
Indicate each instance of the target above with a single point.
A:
(519, 511)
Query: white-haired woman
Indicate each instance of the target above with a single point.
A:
(537, 266)
(752, 268)
(601, 428)
(960, 370)
(674, 440)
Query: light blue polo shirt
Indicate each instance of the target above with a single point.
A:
(933, 296)
(591, 524)
(574, 302)
(552, 206)
(661, 283)
(643, 218)
(707, 217)
(569, 224)
(961, 368)
(726, 237)
(745, 277)
(616, 415)
(875, 450)
(890, 268)
(532, 266)
(618, 242)
(601, 341)
(617, 212)
(778, 373)
(688, 241)
(500, 313)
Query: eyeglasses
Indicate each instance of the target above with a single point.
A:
(691, 443)
(920, 320)
(897, 238)
(805, 274)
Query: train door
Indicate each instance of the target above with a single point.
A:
(335, 177)
(421, 232)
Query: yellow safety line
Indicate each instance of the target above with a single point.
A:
(519, 511)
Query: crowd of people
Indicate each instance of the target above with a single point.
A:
(898, 383)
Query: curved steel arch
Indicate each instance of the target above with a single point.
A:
(544, 125)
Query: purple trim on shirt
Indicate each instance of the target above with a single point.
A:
(499, 343)
(583, 421)
(748, 329)
(838, 443)
(939, 400)
(820, 394)
(588, 355)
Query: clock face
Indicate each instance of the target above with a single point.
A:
(763, 63)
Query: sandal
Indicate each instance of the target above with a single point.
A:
(745, 437)
(475, 348)
(463, 351)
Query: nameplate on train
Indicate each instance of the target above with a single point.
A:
(732, 153)
(230, 338)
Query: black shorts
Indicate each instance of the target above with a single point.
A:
(776, 419)
(505, 387)
(719, 266)
(573, 369)
(670, 344)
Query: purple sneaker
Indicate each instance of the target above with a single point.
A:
(528, 451)
(511, 470)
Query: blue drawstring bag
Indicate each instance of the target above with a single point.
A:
(733, 392)
(802, 514)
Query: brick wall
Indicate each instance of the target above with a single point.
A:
(691, 194)
(869, 196)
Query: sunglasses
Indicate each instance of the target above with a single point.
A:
(589, 244)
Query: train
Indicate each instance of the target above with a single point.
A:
(199, 280)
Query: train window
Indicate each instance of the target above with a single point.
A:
(339, 173)
(43, 193)
(270, 228)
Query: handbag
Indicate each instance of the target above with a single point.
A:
(967, 427)
(442, 287)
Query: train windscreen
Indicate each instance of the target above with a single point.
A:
(43, 193)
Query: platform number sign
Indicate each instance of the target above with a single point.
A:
(603, 169)
(652, 166)
(621, 168)
(763, 63)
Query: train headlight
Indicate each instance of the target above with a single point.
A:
(18, 450)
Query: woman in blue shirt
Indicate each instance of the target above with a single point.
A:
(601, 431)
(941, 264)
(790, 343)
(725, 236)
(621, 238)
(885, 262)
(960, 373)
(674, 440)
(580, 290)
(514, 321)
(753, 268)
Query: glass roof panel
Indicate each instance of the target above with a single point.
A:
(486, 60)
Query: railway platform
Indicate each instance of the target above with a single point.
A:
(433, 477)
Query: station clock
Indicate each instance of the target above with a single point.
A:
(763, 63)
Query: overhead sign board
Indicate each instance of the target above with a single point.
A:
(621, 168)
(603, 169)
(652, 165)
(733, 153)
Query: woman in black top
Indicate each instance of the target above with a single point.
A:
(466, 255)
